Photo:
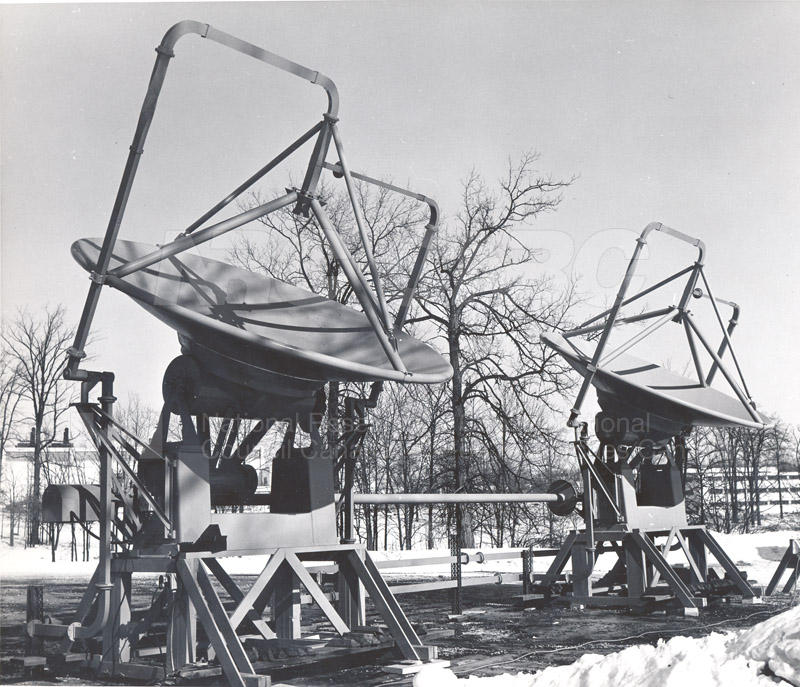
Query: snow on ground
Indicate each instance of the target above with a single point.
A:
(22, 562)
(747, 658)
(740, 659)
(757, 554)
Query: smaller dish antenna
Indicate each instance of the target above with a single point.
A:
(634, 483)
(629, 388)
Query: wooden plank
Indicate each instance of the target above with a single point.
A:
(350, 595)
(602, 601)
(791, 582)
(246, 604)
(135, 671)
(221, 620)
(255, 680)
(327, 658)
(413, 667)
(73, 658)
(392, 614)
(237, 595)
(30, 661)
(390, 601)
(557, 566)
(322, 660)
(316, 593)
(204, 613)
(289, 643)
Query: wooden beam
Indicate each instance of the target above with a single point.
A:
(728, 565)
(229, 667)
(246, 604)
(400, 628)
(316, 593)
(237, 595)
(654, 556)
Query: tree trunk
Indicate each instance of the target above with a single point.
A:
(35, 501)
(463, 519)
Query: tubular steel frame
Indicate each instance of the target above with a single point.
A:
(675, 313)
(372, 299)
(644, 562)
(627, 528)
(190, 568)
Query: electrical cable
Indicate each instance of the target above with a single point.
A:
(638, 636)
(504, 661)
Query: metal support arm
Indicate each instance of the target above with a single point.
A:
(613, 313)
(165, 52)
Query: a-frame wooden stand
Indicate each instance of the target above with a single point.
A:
(180, 538)
(791, 562)
(641, 533)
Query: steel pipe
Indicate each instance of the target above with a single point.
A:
(430, 230)
(409, 499)
(185, 242)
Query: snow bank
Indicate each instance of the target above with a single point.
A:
(738, 659)
(776, 643)
(36, 561)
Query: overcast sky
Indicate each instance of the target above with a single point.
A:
(685, 113)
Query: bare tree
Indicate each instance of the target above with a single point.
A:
(477, 299)
(38, 347)
(489, 313)
(137, 416)
(9, 400)
(729, 471)
(14, 500)
(295, 250)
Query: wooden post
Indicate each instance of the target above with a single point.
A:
(116, 646)
(34, 646)
(351, 595)
(182, 628)
(635, 568)
(582, 565)
(697, 550)
(527, 570)
(286, 604)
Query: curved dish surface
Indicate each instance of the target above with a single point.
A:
(261, 321)
(652, 389)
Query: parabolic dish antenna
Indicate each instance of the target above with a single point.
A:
(654, 390)
(628, 387)
(262, 322)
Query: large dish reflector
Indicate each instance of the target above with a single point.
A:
(262, 322)
(649, 388)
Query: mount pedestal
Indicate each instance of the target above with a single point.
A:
(640, 516)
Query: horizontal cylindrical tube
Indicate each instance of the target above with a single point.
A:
(391, 499)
